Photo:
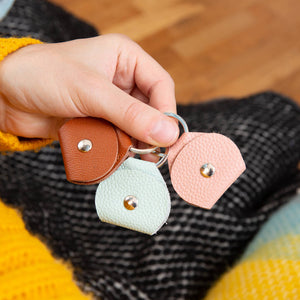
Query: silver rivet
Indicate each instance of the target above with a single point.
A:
(85, 145)
(130, 202)
(207, 170)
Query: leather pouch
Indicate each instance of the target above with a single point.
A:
(203, 166)
(92, 149)
(140, 182)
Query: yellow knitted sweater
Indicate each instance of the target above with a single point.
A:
(27, 269)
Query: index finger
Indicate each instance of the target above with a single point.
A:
(154, 82)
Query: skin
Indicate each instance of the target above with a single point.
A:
(110, 77)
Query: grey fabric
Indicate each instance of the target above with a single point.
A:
(43, 20)
(196, 246)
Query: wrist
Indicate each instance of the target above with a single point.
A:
(9, 49)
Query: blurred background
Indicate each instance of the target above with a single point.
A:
(211, 48)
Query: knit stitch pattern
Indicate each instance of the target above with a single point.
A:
(195, 246)
(10, 142)
(270, 267)
(44, 21)
(10, 45)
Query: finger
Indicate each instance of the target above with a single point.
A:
(143, 122)
(136, 93)
(155, 83)
(32, 125)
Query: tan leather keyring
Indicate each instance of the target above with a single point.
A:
(92, 149)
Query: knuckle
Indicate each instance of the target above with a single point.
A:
(133, 112)
(164, 80)
(168, 78)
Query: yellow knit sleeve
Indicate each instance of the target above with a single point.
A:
(28, 271)
(10, 142)
(9, 45)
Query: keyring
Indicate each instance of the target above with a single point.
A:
(142, 151)
(163, 157)
(180, 119)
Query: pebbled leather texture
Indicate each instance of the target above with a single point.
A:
(143, 180)
(193, 150)
(110, 147)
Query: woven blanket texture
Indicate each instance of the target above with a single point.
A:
(44, 21)
(196, 246)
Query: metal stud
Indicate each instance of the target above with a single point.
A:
(130, 202)
(85, 145)
(207, 170)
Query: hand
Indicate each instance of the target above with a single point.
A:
(110, 77)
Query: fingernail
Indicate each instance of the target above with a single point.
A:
(164, 132)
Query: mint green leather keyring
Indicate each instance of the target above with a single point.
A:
(135, 197)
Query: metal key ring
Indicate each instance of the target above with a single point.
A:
(163, 156)
(142, 151)
(180, 119)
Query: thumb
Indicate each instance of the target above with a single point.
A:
(139, 120)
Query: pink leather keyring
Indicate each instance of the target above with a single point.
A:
(203, 165)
